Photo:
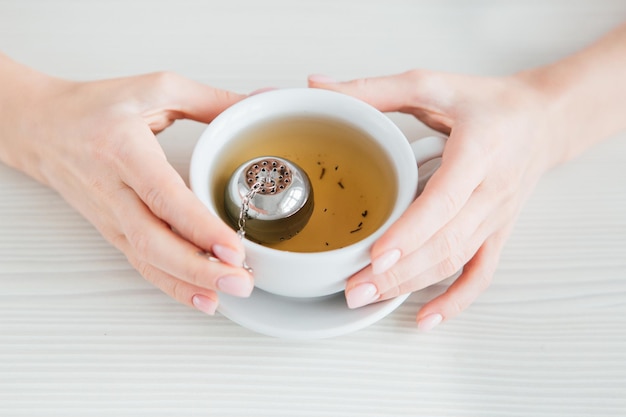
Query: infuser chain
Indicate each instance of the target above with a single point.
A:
(243, 213)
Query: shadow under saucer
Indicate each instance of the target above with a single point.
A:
(303, 318)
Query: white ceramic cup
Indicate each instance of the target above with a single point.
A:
(312, 274)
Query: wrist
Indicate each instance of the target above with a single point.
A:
(560, 112)
(584, 94)
(24, 94)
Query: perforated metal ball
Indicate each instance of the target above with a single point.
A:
(273, 194)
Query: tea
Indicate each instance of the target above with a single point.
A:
(354, 189)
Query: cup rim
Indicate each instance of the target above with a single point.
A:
(403, 199)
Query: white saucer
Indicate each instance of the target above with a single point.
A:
(302, 318)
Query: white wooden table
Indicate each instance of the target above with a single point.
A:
(82, 334)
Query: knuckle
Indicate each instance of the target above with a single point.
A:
(175, 288)
(119, 240)
(179, 291)
(394, 282)
(362, 84)
(415, 74)
(140, 241)
(414, 284)
(103, 149)
(391, 282)
(154, 198)
(145, 270)
(97, 184)
(224, 98)
(457, 306)
(414, 78)
(107, 191)
(447, 202)
(451, 242)
(197, 273)
(391, 293)
(426, 82)
(197, 276)
(451, 265)
(110, 148)
(457, 303)
(420, 78)
(365, 89)
(163, 80)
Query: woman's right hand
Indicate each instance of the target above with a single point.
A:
(94, 142)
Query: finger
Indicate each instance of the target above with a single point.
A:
(151, 241)
(184, 97)
(415, 89)
(365, 287)
(262, 90)
(436, 262)
(185, 293)
(474, 280)
(439, 258)
(444, 196)
(145, 169)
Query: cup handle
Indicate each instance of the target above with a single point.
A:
(427, 152)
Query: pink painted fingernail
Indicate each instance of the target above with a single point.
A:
(322, 79)
(385, 261)
(228, 255)
(429, 322)
(235, 285)
(361, 295)
(204, 304)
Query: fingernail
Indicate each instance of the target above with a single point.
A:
(204, 304)
(429, 322)
(235, 285)
(322, 79)
(228, 255)
(385, 261)
(361, 295)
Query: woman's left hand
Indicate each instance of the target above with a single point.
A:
(500, 143)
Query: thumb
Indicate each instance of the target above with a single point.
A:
(425, 94)
(167, 91)
(415, 89)
(201, 102)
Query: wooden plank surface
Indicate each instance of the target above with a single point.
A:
(81, 334)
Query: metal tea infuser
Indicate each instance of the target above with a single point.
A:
(269, 199)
